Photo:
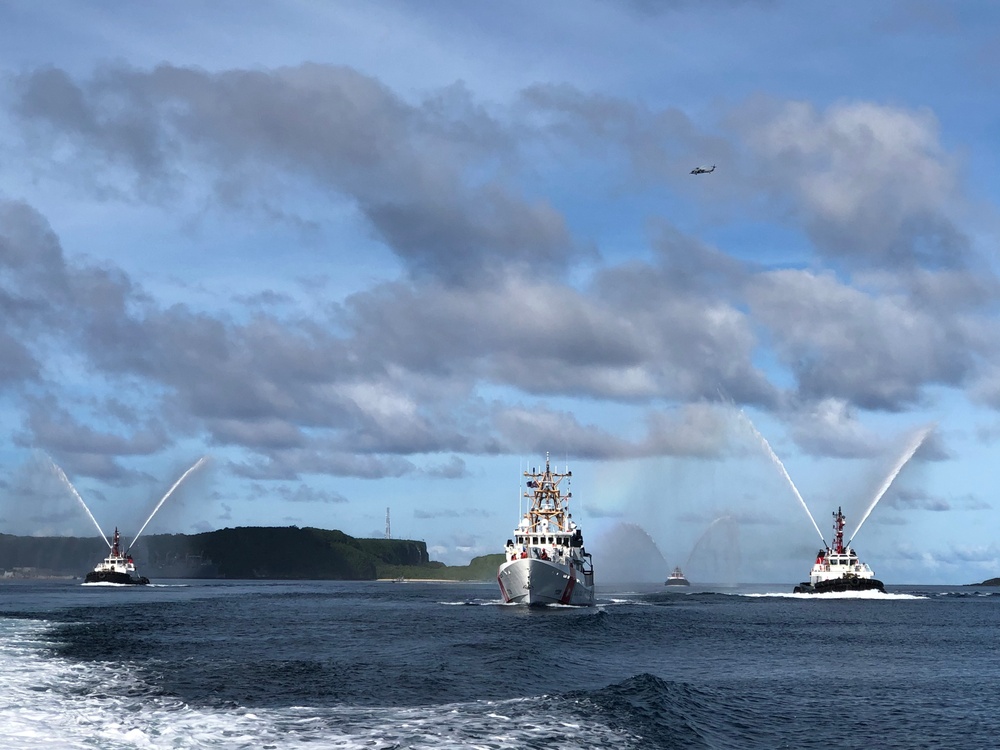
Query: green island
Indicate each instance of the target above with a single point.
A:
(988, 582)
(247, 552)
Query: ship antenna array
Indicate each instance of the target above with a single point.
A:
(520, 497)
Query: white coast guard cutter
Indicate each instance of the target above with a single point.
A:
(545, 561)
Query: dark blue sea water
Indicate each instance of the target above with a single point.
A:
(436, 665)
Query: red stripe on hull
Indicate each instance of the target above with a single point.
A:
(503, 591)
(569, 590)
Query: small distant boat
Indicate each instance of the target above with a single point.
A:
(117, 567)
(546, 562)
(838, 568)
(676, 578)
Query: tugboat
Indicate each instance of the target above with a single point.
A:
(546, 562)
(676, 578)
(838, 568)
(116, 568)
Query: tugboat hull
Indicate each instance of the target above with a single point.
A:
(676, 578)
(111, 576)
(839, 585)
(117, 567)
(838, 569)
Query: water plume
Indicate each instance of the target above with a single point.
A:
(626, 553)
(911, 448)
(65, 480)
(197, 463)
(781, 467)
(714, 556)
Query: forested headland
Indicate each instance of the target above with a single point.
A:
(249, 552)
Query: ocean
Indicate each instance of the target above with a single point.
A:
(267, 664)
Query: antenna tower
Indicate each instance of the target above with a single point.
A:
(388, 534)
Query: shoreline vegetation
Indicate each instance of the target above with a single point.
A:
(248, 552)
(482, 568)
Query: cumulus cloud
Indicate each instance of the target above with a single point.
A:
(908, 499)
(453, 468)
(498, 294)
(305, 494)
(871, 183)
(415, 170)
(830, 427)
(875, 351)
(447, 513)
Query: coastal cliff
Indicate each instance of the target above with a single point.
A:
(242, 552)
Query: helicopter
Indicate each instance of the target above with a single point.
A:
(703, 170)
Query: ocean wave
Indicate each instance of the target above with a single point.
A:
(615, 602)
(970, 594)
(49, 701)
(662, 713)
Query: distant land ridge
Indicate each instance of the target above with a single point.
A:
(246, 552)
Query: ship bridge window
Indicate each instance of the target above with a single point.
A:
(534, 540)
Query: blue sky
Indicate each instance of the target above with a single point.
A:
(369, 256)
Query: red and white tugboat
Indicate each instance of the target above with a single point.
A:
(676, 578)
(838, 568)
(117, 567)
(546, 561)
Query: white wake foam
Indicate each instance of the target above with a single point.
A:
(49, 702)
(870, 594)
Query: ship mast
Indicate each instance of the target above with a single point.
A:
(549, 507)
(838, 529)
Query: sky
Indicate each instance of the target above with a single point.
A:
(374, 260)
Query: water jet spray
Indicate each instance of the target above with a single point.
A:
(704, 536)
(722, 560)
(781, 466)
(65, 480)
(197, 463)
(917, 441)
